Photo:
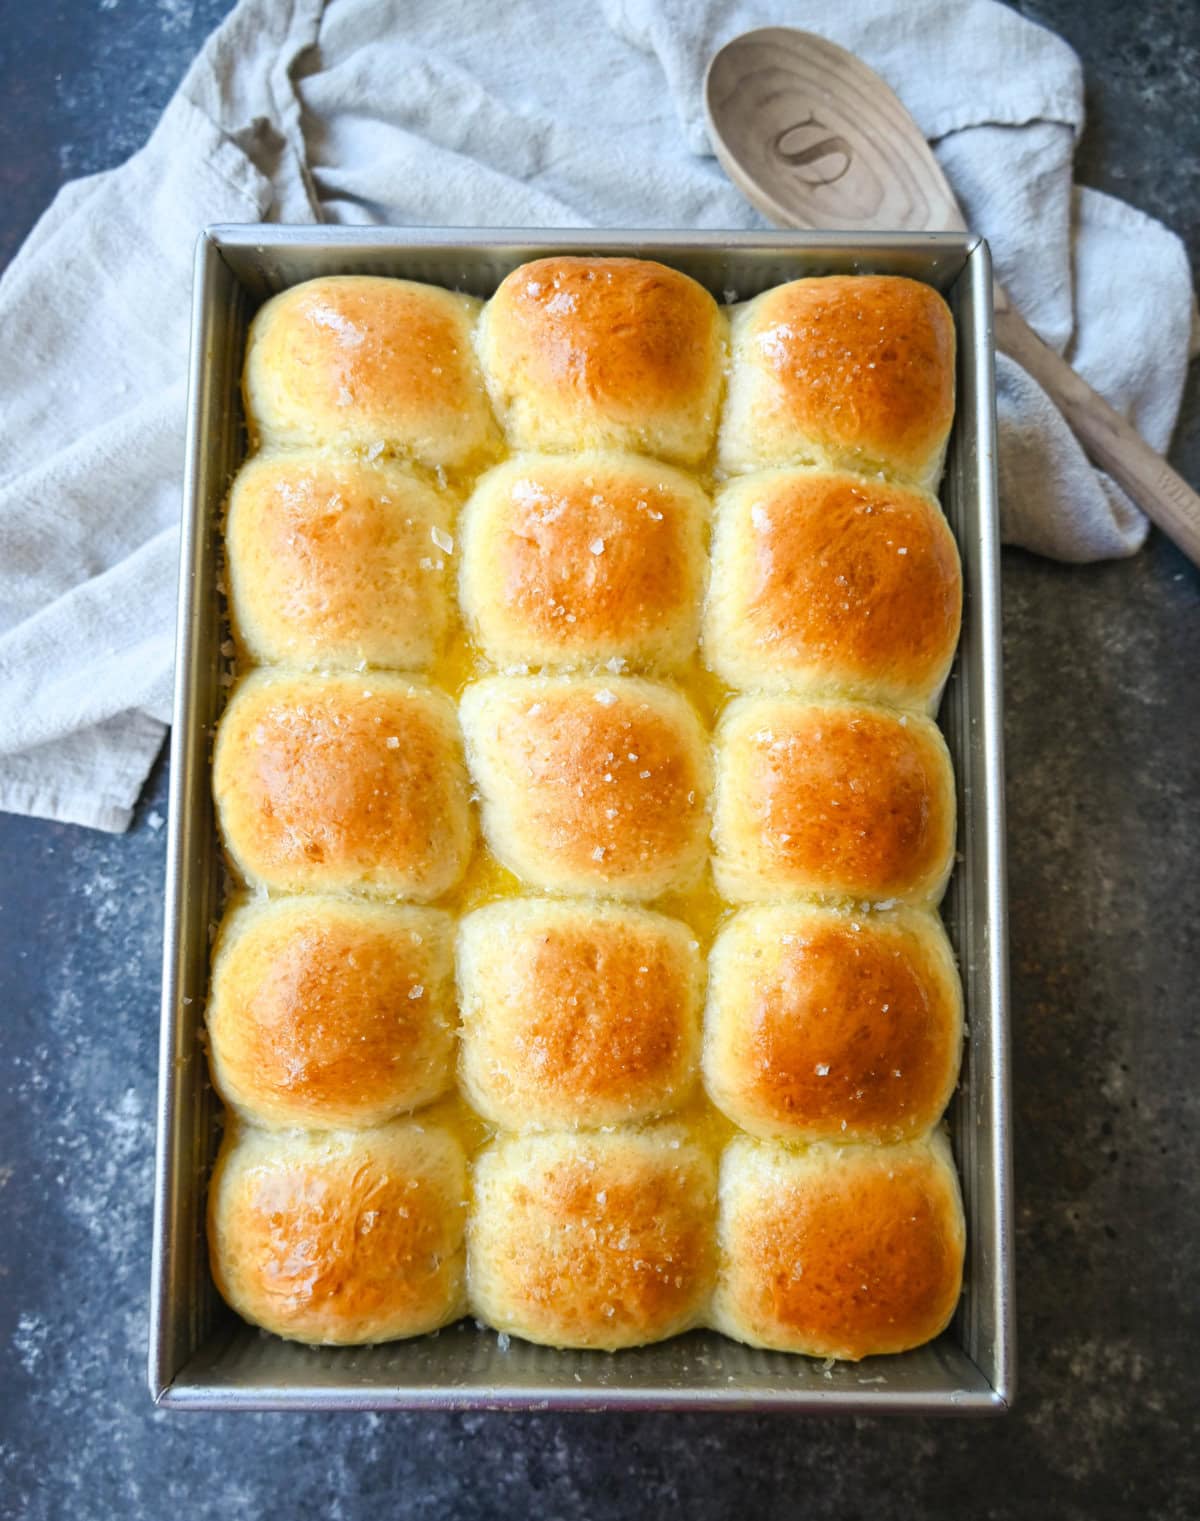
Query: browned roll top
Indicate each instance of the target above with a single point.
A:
(328, 1012)
(590, 785)
(838, 1251)
(343, 782)
(577, 1014)
(599, 1241)
(834, 799)
(844, 370)
(832, 582)
(588, 559)
(832, 1025)
(605, 353)
(340, 1237)
(369, 364)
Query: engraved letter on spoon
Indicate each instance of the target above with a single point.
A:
(805, 156)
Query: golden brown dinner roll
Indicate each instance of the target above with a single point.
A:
(373, 364)
(838, 1251)
(327, 1012)
(584, 353)
(337, 564)
(834, 799)
(852, 371)
(832, 1025)
(576, 1014)
(598, 1241)
(342, 782)
(568, 560)
(590, 785)
(340, 1237)
(824, 582)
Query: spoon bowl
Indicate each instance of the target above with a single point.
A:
(814, 138)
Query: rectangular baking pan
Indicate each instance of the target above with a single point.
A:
(201, 1355)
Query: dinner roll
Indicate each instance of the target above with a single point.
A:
(568, 560)
(827, 1025)
(327, 1012)
(342, 782)
(834, 799)
(340, 1237)
(853, 371)
(601, 1241)
(838, 1251)
(590, 785)
(361, 362)
(337, 564)
(576, 1014)
(831, 582)
(604, 354)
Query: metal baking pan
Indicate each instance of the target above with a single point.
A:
(201, 1355)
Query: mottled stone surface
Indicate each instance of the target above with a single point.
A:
(1104, 808)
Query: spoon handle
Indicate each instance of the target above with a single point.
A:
(1110, 442)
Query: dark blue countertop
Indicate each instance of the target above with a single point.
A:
(1103, 734)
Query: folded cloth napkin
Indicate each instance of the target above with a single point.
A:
(472, 113)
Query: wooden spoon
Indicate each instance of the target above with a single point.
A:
(814, 138)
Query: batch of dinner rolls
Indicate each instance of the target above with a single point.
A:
(589, 819)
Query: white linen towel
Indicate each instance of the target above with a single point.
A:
(524, 114)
